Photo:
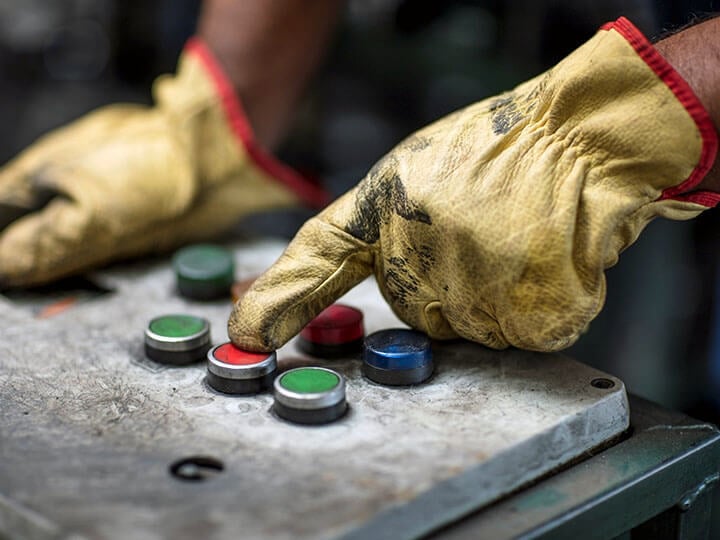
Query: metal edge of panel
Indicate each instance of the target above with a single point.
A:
(650, 475)
(457, 497)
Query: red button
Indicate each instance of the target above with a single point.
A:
(230, 354)
(336, 325)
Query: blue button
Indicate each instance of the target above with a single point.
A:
(397, 349)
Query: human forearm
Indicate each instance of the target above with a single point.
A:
(269, 49)
(695, 54)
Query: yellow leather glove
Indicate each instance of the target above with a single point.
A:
(497, 222)
(128, 180)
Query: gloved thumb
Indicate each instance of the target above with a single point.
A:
(321, 264)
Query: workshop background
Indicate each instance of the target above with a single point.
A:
(395, 66)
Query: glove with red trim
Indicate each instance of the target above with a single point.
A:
(128, 180)
(497, 222)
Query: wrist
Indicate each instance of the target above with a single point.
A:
(225, 126)
(268, 51)
(695, 54)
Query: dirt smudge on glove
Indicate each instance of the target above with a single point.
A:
(402, 285)
(381, 194)
(505, 114)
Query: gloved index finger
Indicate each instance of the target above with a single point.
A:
(321, 264)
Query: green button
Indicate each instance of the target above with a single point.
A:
(203, 262)
(309, 381)
(204, 271)
(177, 326)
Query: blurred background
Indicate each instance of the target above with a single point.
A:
(395, 66)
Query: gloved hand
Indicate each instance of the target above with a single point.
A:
(497, 222)
(128, 180)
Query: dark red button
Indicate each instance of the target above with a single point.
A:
(336, 325)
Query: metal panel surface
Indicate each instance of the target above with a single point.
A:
(89, 427)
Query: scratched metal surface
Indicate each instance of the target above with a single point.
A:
(89, 427)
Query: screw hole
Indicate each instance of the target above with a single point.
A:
(602, 383)
(196, 468)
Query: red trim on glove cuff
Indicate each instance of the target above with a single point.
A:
(309, 193)
(692, 104)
